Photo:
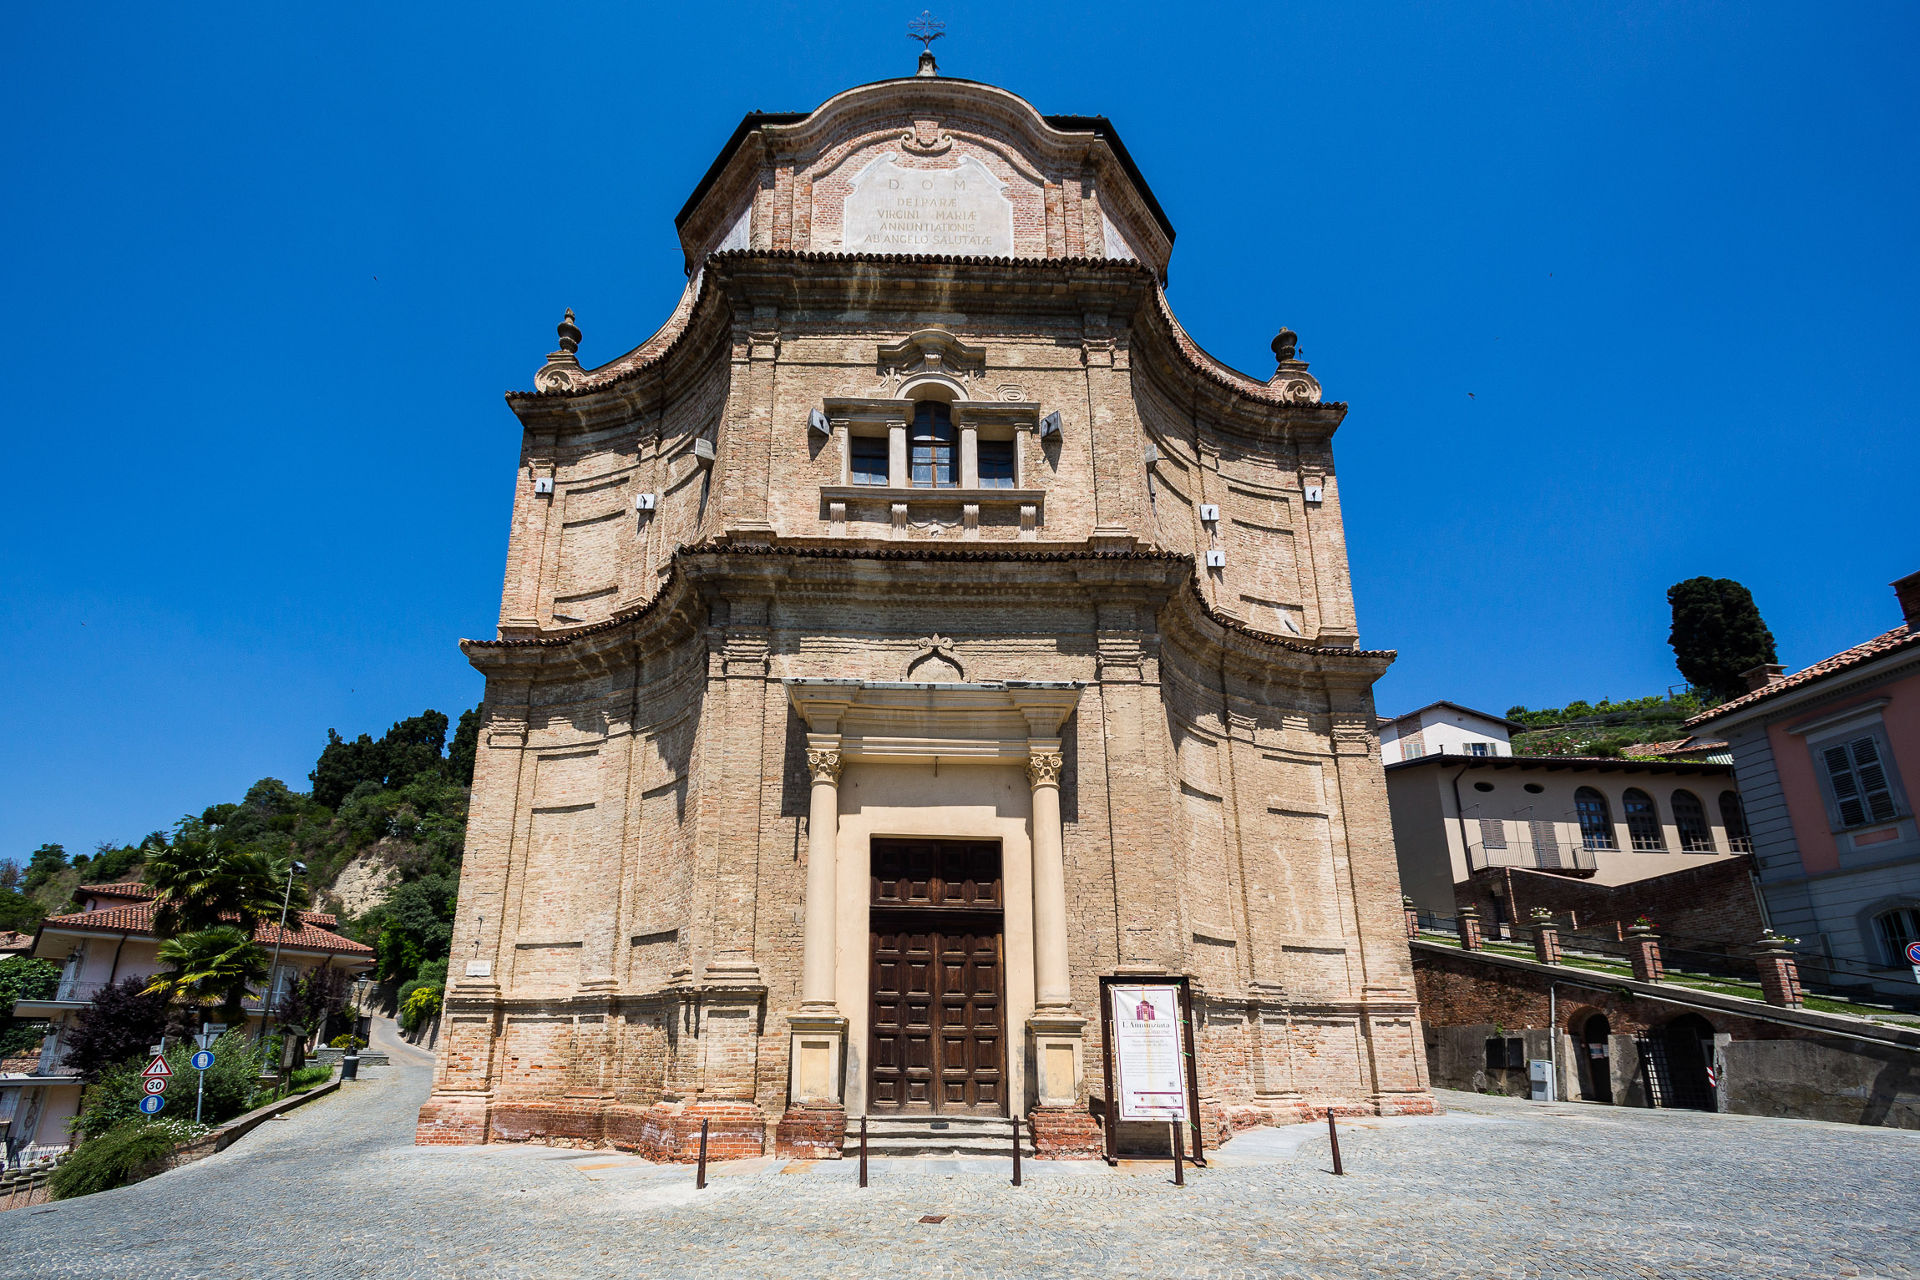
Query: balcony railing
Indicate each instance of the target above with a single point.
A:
(1559, 856)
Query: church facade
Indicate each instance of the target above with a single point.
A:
(917, 629)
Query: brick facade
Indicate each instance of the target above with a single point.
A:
(1714, 902)
(628, 946)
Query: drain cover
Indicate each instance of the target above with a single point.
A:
(933, 1217)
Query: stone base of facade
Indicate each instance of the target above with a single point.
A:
(554, 1122)
(1065, 1133)
(451, 1120)
(811, 1131)
(1406, 1104)
(670, 1131)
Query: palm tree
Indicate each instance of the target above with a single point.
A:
(204, 879)
(211, 969)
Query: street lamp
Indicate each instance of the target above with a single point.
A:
(266, 997)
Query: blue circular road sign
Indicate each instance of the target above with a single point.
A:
(1913, 953)
(202, 1060)
(152, 1103)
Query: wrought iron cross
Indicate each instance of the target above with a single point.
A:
(926, 29)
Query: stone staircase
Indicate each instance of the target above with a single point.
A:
(937, 1136)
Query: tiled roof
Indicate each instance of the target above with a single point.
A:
(119, 889)
(1674, 747)
(138, 918)
(1901, 637)
(10, 941)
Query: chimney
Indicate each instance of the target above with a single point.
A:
(1908, 589)
(1760, 677)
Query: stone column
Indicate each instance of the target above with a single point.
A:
(969, 458)
(1647, 965)
(1469, 929)
(1546, 942)
(816, 1119)
(898, 476)
(1779, 974)
(1061, 1129)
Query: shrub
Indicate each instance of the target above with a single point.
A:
(116, 1156)
(115, 1098)
(116, 1028)
(346, 1042)
(419, 1007)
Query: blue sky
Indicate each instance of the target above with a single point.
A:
(1619, 295)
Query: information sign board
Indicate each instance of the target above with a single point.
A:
(1150, 1069)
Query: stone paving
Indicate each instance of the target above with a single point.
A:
(1495, 1188)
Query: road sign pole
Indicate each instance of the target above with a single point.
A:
(199, 1096)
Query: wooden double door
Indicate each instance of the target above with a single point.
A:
(936, 978)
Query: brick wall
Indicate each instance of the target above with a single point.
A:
(1714, 902)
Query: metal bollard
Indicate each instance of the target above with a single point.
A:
(1333, 1136)
(1179, 1155)
(350, 1065)
(1016, 1151)
(700, 1176)
(863, 1151)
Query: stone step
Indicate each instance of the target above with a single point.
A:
(934, 1135)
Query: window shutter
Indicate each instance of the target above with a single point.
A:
(1859, 779)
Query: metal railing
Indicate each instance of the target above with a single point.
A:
(1568, 857)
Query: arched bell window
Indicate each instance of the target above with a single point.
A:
(934, 447)
(1596, 823)
(1733, 816)
(1690, 819)
(1643, 821)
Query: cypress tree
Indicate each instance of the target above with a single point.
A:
(1717, 634)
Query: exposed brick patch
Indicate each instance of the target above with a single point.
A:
(452, 1122)
(810, 1131)
(670, 1132)
(1065, 1133)
(555, 1123)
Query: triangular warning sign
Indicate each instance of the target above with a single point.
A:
(158, 1067)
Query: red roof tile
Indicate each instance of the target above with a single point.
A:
(1901, 637)
(119, 889)
(138, 918)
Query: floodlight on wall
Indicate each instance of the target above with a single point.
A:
(1050, 425)
(817, 423)
(1216, 559)
(543, 484)
(1152, 454)
(1209, 513)
(1314, 493)
(644, 501)
(703, 449)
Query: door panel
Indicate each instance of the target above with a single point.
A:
(938, 1035)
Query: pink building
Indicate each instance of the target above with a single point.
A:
(1829, 763)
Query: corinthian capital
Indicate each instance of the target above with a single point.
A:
(1043, 768)
(823, 764)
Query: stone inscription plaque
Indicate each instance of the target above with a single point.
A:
(962, 209)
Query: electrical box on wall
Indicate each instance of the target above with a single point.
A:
(1216, 559)
(1209, 513)
(543, 484)
(1313, 493)
(643, 501)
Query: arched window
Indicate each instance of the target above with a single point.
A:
(1596, 823)
(1734, 818)
(1643, 822)
(934, 447)
(1897, 928)
(1690, 816)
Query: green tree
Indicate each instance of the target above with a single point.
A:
(410, 749)
(204, 877)
(43, 864)
(1717, 634)
(211, 969)
(24, 979)
(413, 926)
(465, 747)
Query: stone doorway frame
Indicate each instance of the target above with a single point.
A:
(898, 736)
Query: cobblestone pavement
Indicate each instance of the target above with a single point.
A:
(1495, 1188)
